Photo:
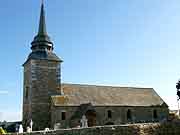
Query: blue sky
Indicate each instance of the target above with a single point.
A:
(105, 42)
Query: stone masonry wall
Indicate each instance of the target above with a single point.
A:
(42, 78)
(119, 115)
(131, 129)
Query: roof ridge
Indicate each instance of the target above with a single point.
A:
(112, 86)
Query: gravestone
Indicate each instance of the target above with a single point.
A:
(57, 126)
(31, 125)
(20, 129)
(28, 129)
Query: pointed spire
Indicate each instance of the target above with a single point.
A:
(42, 22)
(41, 46)
(42, 39)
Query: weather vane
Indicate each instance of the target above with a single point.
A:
(42, 1)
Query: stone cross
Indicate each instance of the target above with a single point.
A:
(84, 121)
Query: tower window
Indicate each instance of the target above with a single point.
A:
(58, 74)
(129, 114)
(155, 116)
(63, 115)
(109, 113)
(26, 92)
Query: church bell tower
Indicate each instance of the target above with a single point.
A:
(42, 78)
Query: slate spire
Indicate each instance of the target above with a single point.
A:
(42, 22)
(42, 40)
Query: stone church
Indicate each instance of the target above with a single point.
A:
(47, 101)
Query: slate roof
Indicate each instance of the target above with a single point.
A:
(44, 55)
(76, 94)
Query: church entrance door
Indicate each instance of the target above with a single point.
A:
(91, 116)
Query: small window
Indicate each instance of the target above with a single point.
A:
(129, 114)
(63, 115)
(155, 116)
(109, 113)
(26, 92)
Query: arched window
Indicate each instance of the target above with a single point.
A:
(129, 114)
(109, 113)
(155, 115)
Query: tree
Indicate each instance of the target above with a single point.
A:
(178, 87)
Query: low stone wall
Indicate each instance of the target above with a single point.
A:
(160, 129)
(130, 129)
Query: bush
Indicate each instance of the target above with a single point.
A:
(2, 131)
